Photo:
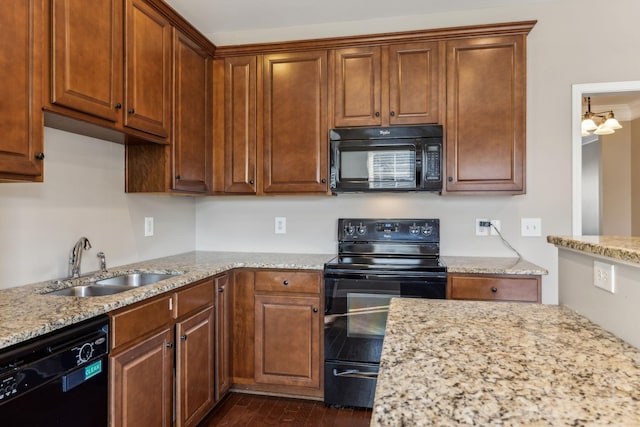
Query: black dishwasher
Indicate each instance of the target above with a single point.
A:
(58, 379)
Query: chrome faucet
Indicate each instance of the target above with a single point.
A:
(76, 256)
(103, 262)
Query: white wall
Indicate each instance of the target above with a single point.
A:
(83, 195)
(562, 47)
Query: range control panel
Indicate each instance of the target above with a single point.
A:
(389, 230)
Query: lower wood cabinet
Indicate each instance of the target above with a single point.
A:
(146, 340)
(494, 287)
(277, 332)
(223, 336)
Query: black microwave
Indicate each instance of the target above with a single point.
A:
(403, 158)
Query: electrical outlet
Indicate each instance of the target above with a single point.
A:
(604, 276)
(281, 225)
(481, 230)
(495, 225)
(148, 226)
(531, 227)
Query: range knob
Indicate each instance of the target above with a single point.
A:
(427, 229)
(349, 229)
(414, 229)
(85, 353)
(361, 229)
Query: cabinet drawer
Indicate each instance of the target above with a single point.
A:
(287, 281)
(194, 298)
(131, 324)
(494, 288)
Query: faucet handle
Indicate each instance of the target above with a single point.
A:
(103, 261)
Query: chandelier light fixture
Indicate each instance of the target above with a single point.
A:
(606, 122)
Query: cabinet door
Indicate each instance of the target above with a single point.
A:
(494, 287)
(357, 98)
(414, 83)
(240, 98)
(142, 383)
(295, 140)
(288, 340)
(243, 328)
(192, 139)
(223, 336)
(486, 114)
(86, 56)
(148, 40)
(194, 367)
(21, 125)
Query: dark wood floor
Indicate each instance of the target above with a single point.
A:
(246, 410)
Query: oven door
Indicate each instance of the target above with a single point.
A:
(356, 307)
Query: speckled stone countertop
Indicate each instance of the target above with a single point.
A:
(26, 313)
(451, 363)
(617, 247)
(491, 265)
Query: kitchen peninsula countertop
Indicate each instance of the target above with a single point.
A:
(26, 313)
(450, 363)
(617, 247)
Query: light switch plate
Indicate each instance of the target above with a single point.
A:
(148, 226)
(604, 276)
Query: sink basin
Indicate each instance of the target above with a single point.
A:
(90, 291)
(134, 279)
(113, 285)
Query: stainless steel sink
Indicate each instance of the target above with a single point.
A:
(134, 279)
(113, 285)
(90, 291)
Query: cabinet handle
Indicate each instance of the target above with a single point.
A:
(132, 111)
(183, 337)
(177, 177)
(393, 113)
(377, 114)
(315, 309)
(118, 106)
(39, 156)
(286, 283)
(169, 345)
(251, 181)
(494, 289)
(450, 179)
(170, 304)
(221, 289)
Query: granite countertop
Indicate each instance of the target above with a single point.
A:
(491, 265)
(450, 363)
(26, 313)
(617, 247)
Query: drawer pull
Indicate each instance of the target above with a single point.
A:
(494, 289)
(183, 337)
(286, 283)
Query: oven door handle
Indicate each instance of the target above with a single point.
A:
(355, 373)
(349, 274)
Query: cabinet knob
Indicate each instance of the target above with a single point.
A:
(251, 181)
(377, 114)
(183, 337)
(324, 180)
(39, 156)
(450, 179)
(494, 289)
(132, 111)
(169, 345)
(118, 106)
(315, 309)
(286, 283)
(221, 289)
(393, 113)
(177, 177)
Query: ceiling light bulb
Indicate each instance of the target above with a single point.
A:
(588, 125)
(604, 130)
(612, 123)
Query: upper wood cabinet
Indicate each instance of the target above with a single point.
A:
(397, 84)
(295, 127)
(240, 126)
(21, 126)
(86, 57)
(148, 43)
(192, 139)
(485, 126)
